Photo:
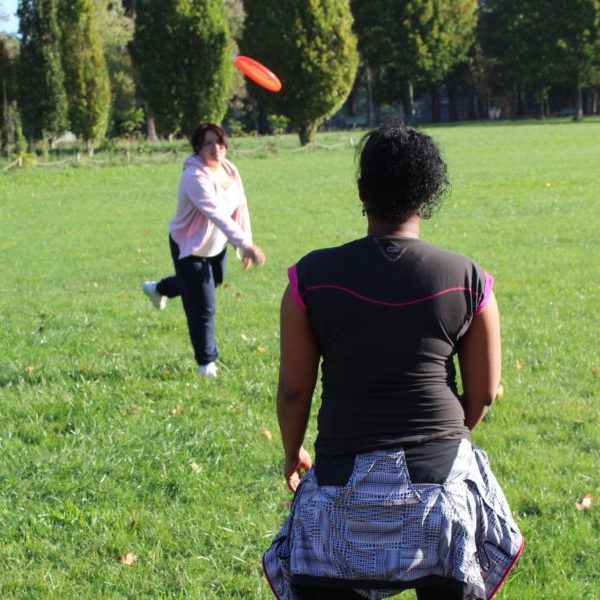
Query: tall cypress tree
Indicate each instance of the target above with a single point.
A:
(311, 47)
(42, 96)
(10, 121)
(184, 58)
(86, 76)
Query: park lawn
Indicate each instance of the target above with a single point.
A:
(111, 443)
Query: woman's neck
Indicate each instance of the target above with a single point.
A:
(405, 229)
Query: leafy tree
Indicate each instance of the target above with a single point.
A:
(42, 96)
(413, 41)
(183, 53)
(384, 33)
(86, 76)
(116, 31)
(445, 33)
(578, 42)
(11, 133)
(519, 41)
(534, 44)
(9, 47)
(311, 47)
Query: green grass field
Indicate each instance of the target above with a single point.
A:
(102, 413)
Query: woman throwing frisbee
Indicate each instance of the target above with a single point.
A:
(212, 211)
(398, 498)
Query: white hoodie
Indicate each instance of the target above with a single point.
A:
(204, 205)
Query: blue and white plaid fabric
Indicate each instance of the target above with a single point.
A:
(382, 531)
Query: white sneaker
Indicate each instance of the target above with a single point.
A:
(209, 370)
(158, 301)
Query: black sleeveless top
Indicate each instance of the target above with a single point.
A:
(388, 314)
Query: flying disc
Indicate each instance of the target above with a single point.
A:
(258, 73)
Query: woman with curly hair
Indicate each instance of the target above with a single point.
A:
(398, 498)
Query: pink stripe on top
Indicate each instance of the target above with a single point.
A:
(293, 277)
(343, 289)
(487, 292)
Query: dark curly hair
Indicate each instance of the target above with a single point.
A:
(400, 172)
(197, 139)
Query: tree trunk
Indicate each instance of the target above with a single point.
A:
(452, 103)
(262, 122)
(520, 102)
(436, 112)
(370, 111)
(474, 114)
(408, 100)
(307, 133)
(150, 128)
(541, 111)
(351, 101)
(578, 99)
(89, 144)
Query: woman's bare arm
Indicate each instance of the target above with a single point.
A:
(479, 357)
(298, 366)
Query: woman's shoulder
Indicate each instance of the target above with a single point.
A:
(436, 252)
(451, 264)
(333, 253)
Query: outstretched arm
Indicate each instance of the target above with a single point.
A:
(298, 366)
(479, 357)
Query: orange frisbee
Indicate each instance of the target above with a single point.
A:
(258, 73)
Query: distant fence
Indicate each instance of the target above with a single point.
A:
(128, 156)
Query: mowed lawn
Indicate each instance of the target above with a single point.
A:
(111, 444)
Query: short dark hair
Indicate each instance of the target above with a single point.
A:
(200, 132)
(400, 172)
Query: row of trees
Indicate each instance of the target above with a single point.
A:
(98, 66)
(492, 52)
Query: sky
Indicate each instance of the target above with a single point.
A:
(9, 8)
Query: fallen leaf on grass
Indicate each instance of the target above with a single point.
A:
(500, 392)
(194, 466)
(267, 434)
(286, 503)
(176, 411)
(30, 369)
(238, 294)
(226, 286)
(132, 523)
(96, 284)
(128, 559)
(244, 337)
(261, 349)
(586, 502)
(595, 371)
(519, 364)
(83, 369)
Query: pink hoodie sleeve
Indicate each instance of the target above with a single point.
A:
(201, 191)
